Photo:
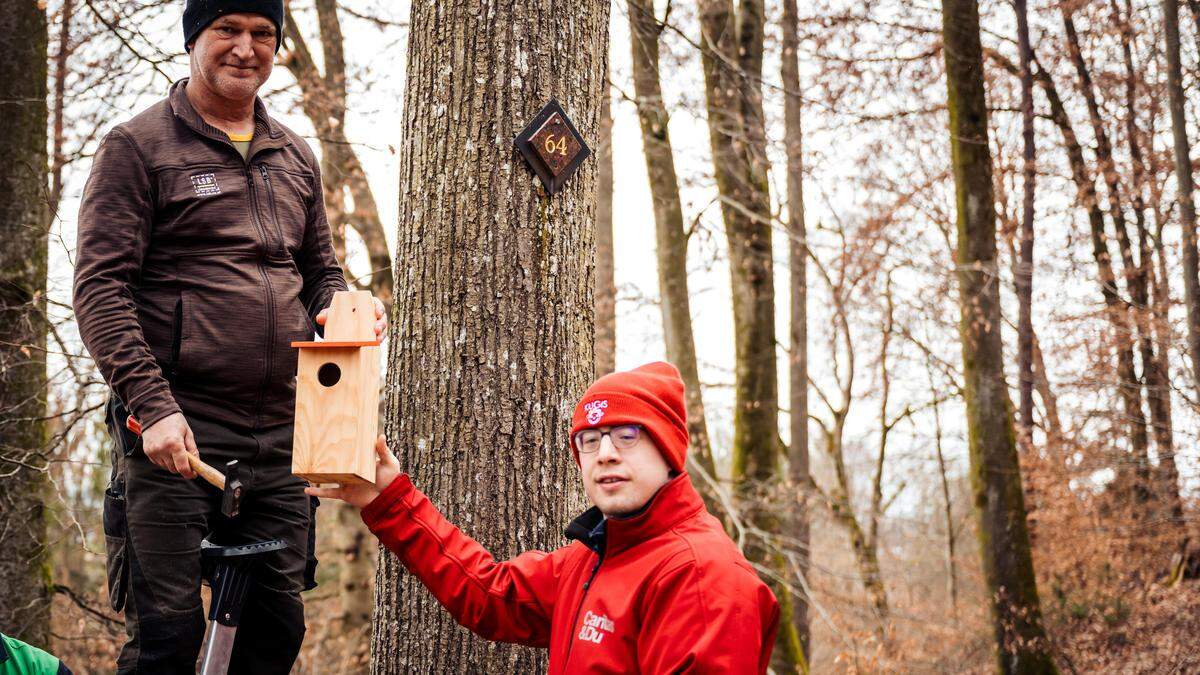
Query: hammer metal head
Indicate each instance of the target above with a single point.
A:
(231, 499)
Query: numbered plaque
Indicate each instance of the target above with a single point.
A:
(552, 146)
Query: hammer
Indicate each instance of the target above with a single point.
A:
(229, 484)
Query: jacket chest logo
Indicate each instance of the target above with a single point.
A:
(595, 627)
(206, 185)
(595, 410)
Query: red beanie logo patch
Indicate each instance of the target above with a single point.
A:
(595, 411)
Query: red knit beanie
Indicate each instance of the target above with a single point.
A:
(649, 395)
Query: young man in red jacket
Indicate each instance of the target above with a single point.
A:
(651, 583)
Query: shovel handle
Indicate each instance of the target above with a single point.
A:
(206, 472)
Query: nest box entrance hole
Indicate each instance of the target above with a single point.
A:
(329, 374)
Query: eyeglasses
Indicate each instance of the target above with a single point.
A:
(623, 438)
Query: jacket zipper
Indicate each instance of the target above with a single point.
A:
(176, 335)
(254, 216)
(571, 637)
(271, 198)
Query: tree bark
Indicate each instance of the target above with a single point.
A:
(798, 459)
(1021, 644)
(24, 229)
(947, 503)
(1024, 276)
(606, 287)
(494, 305)
(355, 567)
(1183, 179)
(745, 208)
(732, 57)
(670, 236)
(57, 157)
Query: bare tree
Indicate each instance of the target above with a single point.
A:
(1135, 270)
(1021, 644)
(798, 461)
(843, 356)
(947, 503)
(606, 288)
(1128, 386)
(323, 99)
(24, 229)
(1024, 276)
(495, 301)
(670, 236)
(732, 56)
(1183, 180)
(61, 56)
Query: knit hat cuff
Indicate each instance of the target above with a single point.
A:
(667, 431)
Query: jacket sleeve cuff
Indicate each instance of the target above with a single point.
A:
(153, 407)
(390, 500)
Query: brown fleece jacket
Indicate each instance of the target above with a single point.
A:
(196, 269)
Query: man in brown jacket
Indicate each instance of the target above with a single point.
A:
(204, 251)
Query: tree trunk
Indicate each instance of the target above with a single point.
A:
(1183, 178)
(746, 210)
(871, 554)
(670, 236)
(798, 461)
(1051, 424)
(355, 567)
(947, 503)
(494, 302)
(24, 229)
(1024, 276)
(732, 56)
(1154, 368)
(1049, 399)
(57, 158)
(840, 506)
(1021, 643)
(606, 287)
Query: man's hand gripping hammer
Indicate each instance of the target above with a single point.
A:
(229, 483)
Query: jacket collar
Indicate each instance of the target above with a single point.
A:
(673, 503)
(267, 132)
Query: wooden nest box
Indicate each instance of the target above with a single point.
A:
(337, 396)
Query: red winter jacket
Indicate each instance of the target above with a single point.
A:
(666, 591)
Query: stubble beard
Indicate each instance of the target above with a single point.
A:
(236, 88)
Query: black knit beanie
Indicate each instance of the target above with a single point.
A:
(199, 13)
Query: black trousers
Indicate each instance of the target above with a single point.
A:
(154, 522)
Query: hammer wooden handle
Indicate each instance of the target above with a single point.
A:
(206, 472)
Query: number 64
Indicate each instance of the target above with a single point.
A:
(559, 146)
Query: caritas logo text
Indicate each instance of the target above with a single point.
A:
(595, 410)
(595, 627)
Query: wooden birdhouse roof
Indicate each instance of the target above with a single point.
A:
(350, 322)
